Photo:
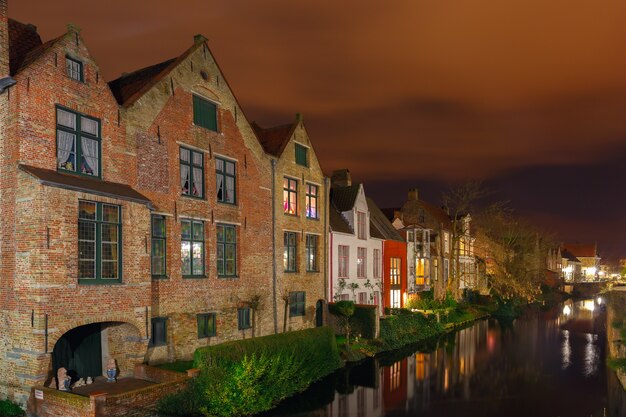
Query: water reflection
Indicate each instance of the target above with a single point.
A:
(548, 363)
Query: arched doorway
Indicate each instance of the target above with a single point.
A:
(84, 350)
(319, 313)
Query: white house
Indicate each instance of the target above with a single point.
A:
(355, 256)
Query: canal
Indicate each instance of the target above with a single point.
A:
(547, 363)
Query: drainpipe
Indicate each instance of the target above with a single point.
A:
(274, 245)
(326, 238)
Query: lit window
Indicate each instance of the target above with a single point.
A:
(311, 201)
(289, 257)
(290, 196)
(192, 248)
(361, 262)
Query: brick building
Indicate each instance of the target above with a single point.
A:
(300, 225)
(136, 214)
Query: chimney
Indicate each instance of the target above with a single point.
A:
(4, 39)
(413, 194)
(341, 178)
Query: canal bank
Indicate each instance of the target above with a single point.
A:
(616, 332)
(549, 362)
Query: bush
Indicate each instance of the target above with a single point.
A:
(363, 321)
(403, 329)
(426, 301)
(253, 375)
(9, 409)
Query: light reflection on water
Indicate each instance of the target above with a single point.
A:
(547, 363)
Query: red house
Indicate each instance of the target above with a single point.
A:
(394, 258)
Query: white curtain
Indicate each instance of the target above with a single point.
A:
(230, 190)
(65, 147)
(197, 182)
(90, 154)
(184, 179)
(220, 187)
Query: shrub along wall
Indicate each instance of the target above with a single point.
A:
(250, 376)
(405, 327)
(363, 322)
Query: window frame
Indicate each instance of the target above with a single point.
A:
(343, 261)
(244, 314)
(287, 194)
(224, 243)
(304, 151)
(290, 251)
(361, 262)
(98, 243)
(78, 135)
(207, 318)
(377, 263)
(224, 175)
(361, 228)
(312, 257)
(154, 238)
(196, 111)
(154, 321)
(312, 197)
(395, 271)
(297, 306)
(192, 240)
(81, 69)
(191, 165)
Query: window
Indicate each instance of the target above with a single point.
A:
(290, 196)
(446, 270)
(361, 225)
(74, 69)
(436, 269)
(158, 247)
(289, 257)
(296, 304)
(226, 250)
(421, 271)
(225, 173)
(311, 253)
(99, 242)
(78, 143)
(394, 271)
(377, 263)
(206, 325)
(243, 318)
(344, 255)
(204, 113)
(446, 242)
(159, 331)
(311, 201)
(192, 248)
(301, 155)
(362, 298)
(361, 262)
(191, 173)
(394, 298)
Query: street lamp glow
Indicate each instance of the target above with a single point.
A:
(567, 311)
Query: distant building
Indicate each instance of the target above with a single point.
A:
(587, 254)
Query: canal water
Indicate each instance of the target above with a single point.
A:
(547, 363)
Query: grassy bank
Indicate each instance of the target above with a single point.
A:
(250, 376)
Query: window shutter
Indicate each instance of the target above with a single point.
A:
(204, 113)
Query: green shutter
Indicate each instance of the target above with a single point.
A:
(301, 157)
(204, 113)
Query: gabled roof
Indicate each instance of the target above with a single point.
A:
(23, 40)
(338, 223)
(343, 198)
(584, 250)
(275, 139)
(569, 256)
(380, 226)
(128, 88)
(86, 184)
(127, 85)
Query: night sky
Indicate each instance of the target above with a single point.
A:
(528, 95)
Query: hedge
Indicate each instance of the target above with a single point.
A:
(9, 409)
(402, 329)
(362, 322)
(250, 376)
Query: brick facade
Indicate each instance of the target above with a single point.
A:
(41, 297)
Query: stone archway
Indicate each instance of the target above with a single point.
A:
(84, 350)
